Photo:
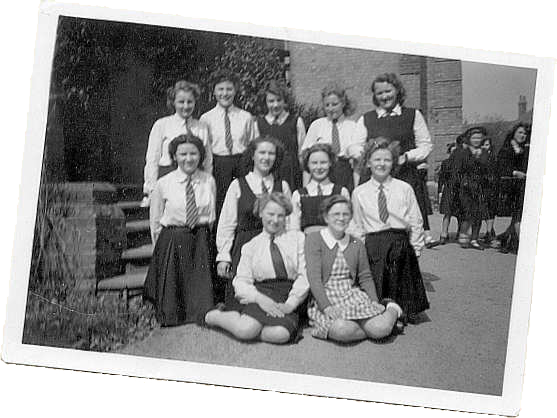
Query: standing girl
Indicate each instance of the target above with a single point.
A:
(338, 131)
(386, 212)
(238, 224)
(182, 210)
(471, 165)
(392, 120)
(447, 190)
(287, 128)
(230, 129)
(317, 160)
(492, 194)
(344, 305)
(181, 98)
(271, 279)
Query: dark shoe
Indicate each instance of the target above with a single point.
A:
(398, 328)
(443, 240)
(432, 244)
(476, 245)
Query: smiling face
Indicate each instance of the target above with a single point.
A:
(187, 157)
(184, 103)
(319, 165)
(520, 135)
(273, 217)
(275, 104)
(386, 95)
(224, 93)
(476, 140)
(264, 157)
(333, 106)
(486, 145)
(338, 218)
(381, 164)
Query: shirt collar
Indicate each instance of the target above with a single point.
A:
(221, 109)
(313, 184)
(277, 235)
(268, 178)
(376, 184)
(282, 117)
(182, 177)
(179, 119)
(339, 120)
(332, 241)
(397, 111)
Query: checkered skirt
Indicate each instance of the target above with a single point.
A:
(341, 292)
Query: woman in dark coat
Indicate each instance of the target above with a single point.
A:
(512, 163)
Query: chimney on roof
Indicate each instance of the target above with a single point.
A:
(522, 108)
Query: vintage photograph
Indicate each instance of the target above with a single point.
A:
(277, 205)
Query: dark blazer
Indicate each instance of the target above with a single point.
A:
(319, 263)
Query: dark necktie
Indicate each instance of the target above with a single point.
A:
(264, 189)
(278, 261)
(335, 141)
(188, 130)
(319, 190)
(276, 121)
(191, 207)
(382, 205)
(227, 132)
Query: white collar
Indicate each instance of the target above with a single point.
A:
(376, 184)
(397, 111)
(182, 177)
(339, 120)
(281, 118)
(313, 184)
(332, 241)
(268, 178)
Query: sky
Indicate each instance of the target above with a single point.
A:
(493, 90)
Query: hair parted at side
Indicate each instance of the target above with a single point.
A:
(375, 144)
(247, 156)
(510, 135)
(187, 139)
(392, 79)
(278, 197)
(184, 86)
(223, 75)
(318, 147)
(348, 105)
(330, 201)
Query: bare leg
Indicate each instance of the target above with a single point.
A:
(380, 326)
(346, 331)
(275, 334)
(445, 225)
(243, 327)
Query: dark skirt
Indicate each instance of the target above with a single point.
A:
(242, 237)
(395, 269)
(178, 282)
(450, 202)
(473, 197)
(278, 290)
(343, 174)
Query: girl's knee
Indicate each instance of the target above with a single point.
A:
(275, 335)
(378, 327)
(342, 330)
(247, 328)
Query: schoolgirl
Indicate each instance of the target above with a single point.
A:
(238, 223)
(287, 128)
(344, 305)
(447, 191)
(230, 129)
(182, 210)
(392, 120)
(271, 279)
(387, 215)
(317, 160)
(181, 99)
(338, 131)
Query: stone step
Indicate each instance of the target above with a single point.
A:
(138, 253)
(125, 281)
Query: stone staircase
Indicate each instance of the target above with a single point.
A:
(137, 255)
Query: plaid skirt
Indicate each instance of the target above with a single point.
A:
(341, 292)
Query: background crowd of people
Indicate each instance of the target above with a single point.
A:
(249, 215)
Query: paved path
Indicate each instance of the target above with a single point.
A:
(460, 346)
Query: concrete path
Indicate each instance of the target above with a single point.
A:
(460, 345)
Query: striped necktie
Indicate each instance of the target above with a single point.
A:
(319, 190)
(278, 261)
(335, 141)
(191, 207)
(264, 189)
(382, 205)
(227, 131)
(188, 130)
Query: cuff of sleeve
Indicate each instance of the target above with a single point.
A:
(223, 257)
(292, 300)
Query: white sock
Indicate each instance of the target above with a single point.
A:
(395, 306)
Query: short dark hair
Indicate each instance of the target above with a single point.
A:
(181, 85)
(376, 144)
(512, 132)
(187, 139)
(278, 197)
(318, 147)
(223, 75)
(330, 201)
(247, 157)
(392, 79)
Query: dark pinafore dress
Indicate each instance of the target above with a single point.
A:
(401, 129)
(310, 206)
(287, 134)
(249, 225)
